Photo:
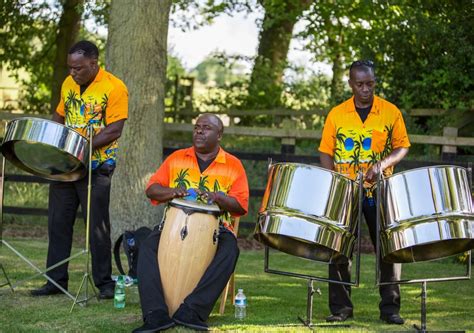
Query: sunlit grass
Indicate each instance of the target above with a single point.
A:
(275, 301)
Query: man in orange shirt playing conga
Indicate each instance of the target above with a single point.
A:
(365, 133)
(217, 177)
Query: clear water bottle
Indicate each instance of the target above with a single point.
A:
(119, 295)
(240, 304)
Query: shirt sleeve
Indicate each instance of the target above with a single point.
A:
(160, 177)
(400, 135)
(60, 109)
(328, 140)
(117, 105)
(240, 189)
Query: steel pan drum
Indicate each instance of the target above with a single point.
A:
(188, 243)
(427, 214)
(308, 211)
(46, 149)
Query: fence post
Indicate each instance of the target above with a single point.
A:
(288, 146)
(448, 153)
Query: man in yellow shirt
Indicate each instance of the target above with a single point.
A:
(90, 98)
(365, 133)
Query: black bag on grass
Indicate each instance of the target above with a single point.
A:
(131, 241)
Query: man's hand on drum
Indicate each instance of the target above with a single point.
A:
(209, 197)
(373, 172)
(178, 192)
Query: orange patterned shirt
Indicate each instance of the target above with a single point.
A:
(225, 174)
(357, 146)
(103, 102)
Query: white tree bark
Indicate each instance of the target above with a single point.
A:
(137, 54)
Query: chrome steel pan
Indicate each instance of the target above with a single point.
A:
(308, 211)
(427, 214)
(46, 149)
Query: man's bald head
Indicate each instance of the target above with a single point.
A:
(214, 119)
(207, 133)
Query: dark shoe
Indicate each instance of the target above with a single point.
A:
(339, 317)
(46, 290)
(106, 293)
(154, 322)
(187, 317)
(392, 319)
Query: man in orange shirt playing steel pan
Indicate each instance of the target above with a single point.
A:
(365, 133)
(206, 165)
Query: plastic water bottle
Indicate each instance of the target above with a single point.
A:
(240, 304)
(119, 296)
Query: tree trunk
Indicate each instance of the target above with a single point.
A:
(335, 34)
(68, 29)
(277, 29)
(137, 54)
(337, 84)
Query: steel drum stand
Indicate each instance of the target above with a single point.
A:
(82, 302)
(422, 328)
(8, 283)
(308, 322)
(4, 242)
(86, 278)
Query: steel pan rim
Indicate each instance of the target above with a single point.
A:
(70, 176)
(398, 253)
(441, 166)
(326, 232)
(52, 122)
(315, 167)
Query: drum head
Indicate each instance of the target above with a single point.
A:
(46, 149)
(195, 206)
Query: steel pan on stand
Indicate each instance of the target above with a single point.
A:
(424, 214)
(46, 149)
(308, 211)
(427, 214)
(55, 152)
(313, 213)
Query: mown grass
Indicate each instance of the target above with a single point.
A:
(274, 301)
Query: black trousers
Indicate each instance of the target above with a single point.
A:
(340, 295)
(204, 296)
(64, 200)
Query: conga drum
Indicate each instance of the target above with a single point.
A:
(188, 244)
(308, 211)
(46, 149)
(427, 213)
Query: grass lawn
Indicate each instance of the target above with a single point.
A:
(274, 301)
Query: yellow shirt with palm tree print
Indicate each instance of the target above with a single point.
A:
(103, 102)
(356, 145)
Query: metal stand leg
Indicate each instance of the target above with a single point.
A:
(86, 279)
(8, 283)
(1, 224)
(423, 309)
(309, 304)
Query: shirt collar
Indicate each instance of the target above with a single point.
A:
(99, 76)
(220, 158)
(350, 105)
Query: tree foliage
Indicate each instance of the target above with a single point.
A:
(29, 40)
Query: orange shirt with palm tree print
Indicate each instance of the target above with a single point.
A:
(103, 102)
(356, 145)
(225, 174)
